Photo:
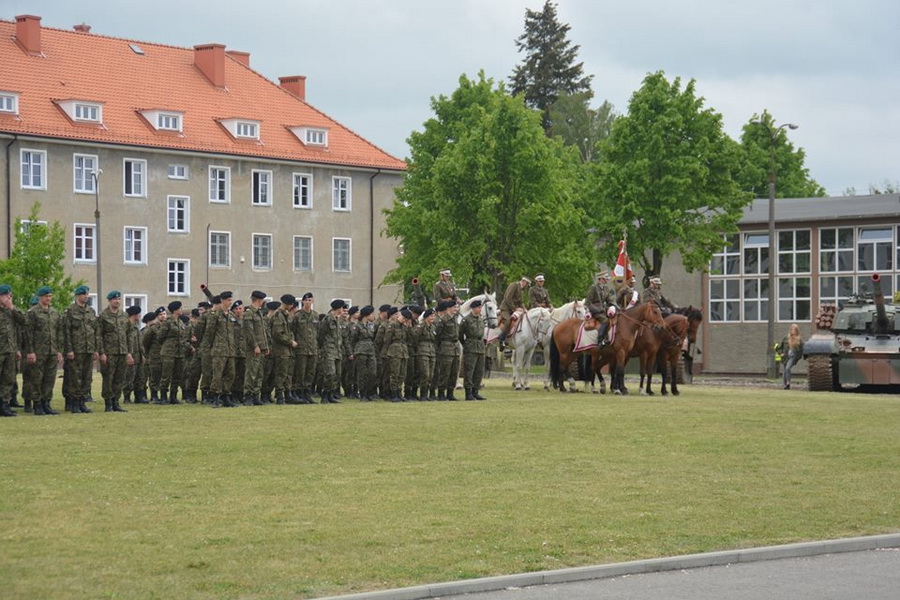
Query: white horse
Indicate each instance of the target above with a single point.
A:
(489, 311)
(575, 309)
(533, 326)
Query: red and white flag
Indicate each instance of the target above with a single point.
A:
(623, 265)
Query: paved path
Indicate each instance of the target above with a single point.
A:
(848, 569)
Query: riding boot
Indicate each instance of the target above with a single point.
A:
(48, 410)
(601, 336)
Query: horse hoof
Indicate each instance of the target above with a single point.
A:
(518, 388)
(664, 393)
(527, 387)
(649, 392)
(644, 393)
(617, 393)
(676, 393)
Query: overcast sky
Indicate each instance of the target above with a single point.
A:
(831, 66)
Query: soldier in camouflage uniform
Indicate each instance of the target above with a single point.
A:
(445, 289)
(133, 371)
(330, 348)
(192, 367)
(362, 339)
(204, 346)
(425, 354)
(12, 320)
(268, 379)
(220, 329)
(380, 363)
(538, 294)
(43, 350)
(305, 326)
(471, 335)
(283, 345)
(396, 342)
(653, 293)
(171, 354)
(237, 384)
(348, 374)
(152, 342)
(436, 378)
(412, 367)
(80, 342)
(115, 352)
(256, 347)
(446, 335)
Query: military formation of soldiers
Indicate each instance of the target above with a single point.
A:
(226, 353)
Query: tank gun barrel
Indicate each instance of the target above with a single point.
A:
(881, 323)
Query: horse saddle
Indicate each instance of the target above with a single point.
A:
(514, 321)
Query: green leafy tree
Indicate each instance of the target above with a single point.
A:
(665, 178)
(550, 68)
(792, 178)
(37, 259)
(579, 125)
(488, 195)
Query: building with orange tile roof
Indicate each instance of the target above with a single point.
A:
(203, 170)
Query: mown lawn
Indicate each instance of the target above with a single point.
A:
(305, 501)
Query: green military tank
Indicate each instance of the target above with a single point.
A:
(859, 345)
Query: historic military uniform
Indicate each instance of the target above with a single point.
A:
(306, 331)
(627, 296)
(446, 334)
(80, 333)
(512, 299)
(445, 289)
(538, 294)
(330, 351)
(114, 345)
(599, 298)
(471, 335)
(283, 344)
(423, 335)
(220, 329)
(256, 346)
(11, 322)
(43, 349)
(655, 295)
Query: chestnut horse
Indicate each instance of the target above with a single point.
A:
(631, 324)
(668, 360)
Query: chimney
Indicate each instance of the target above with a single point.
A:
(82, 28)
(295, 84)
(210, 59)
(28, 33)
(241, 57)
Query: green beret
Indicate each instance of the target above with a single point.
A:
(81, 289)
(5, 289)
(34, 300)
(114, 294)
(44, 290)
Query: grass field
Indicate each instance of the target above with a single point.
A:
(305, 501)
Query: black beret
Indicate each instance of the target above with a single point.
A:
(406, 314)
(148, 317)
(160, 310)
(288, 299)
(132, 310)
(307, 296)
(427, 313)
(204, 304)
(416, 309)
(384, 308)
(337, 303)
(366, 310)
(441, 306)
(216, 299)
(184, 318)
(353, 310)
(174, 305)
(237, 304)
(392, 311)
(226, 295)
(273, 305)
(195, 312)
(475, 304)
(258, 295)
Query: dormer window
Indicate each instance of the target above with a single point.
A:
(244, 129)
(311, 136)
(9, 103)
(83, 112)
(164, 120)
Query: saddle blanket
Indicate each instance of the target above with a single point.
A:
(586, 339)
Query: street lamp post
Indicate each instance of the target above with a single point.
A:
(771, 370)
(95, 174)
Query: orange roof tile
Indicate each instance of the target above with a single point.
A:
(97, 68)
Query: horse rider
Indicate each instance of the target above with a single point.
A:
(653, 293)
(513, 298)
(538, 294)
(598, 299)
(444, 289)
(628, 296)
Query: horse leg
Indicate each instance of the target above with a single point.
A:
(674, 375)
(651, 363)
(665, 375)
(527, 368)
(517, 370)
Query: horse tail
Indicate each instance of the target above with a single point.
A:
(554, 363)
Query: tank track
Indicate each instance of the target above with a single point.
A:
(820, 374)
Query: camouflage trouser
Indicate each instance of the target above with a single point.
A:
(305, 371)
(172, 376)
(365, 374)
(473, 365)
(412, 372)
(78, 375)
(222, 374)
(397, 367)
(331, 373)
(253, 374)
(283, 366)
(449, 366)
(113, 373)
(425, 370)
(206, 374)
(7, 376)
(40, 377)
(192, 373)
(136, 379)
(268, 377)
(154, 369)
(237, 384)
(348, 375)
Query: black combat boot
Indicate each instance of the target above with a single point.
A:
(450, 395)
(14, 403)
(107, 405)
(477, 395)
(227, 401)
(173, 396)
(154, 396)
(6, 411)
(333, 399)
(38, 408)
(82, 405)
(28, 406)
(469, 394)
(279, 397)
(213, 400)
(126, 397)
(48, 410)
(116, 406)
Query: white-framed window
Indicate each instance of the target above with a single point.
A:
(303, 249)
(33, 169)
(178, 172)
(220, 184)
(88, 112)
(9, 103)
(317, 137)
(262, 251)
(220, 249)
(756, 253)
(168, 121)
(246, 129)
(179, 276)
(864, 285)
(875, 249)
(85, 242)
(85, 168)
(92, 302)
(178, 214)
(340, 255)
(135, 176)
(727, 261)
(303, 190)
(25, 225)
(341, 193)
(836, 247)
(794, 299)
(262, 188)
(135, 245)
(139, 300)
(756, 299)
(835, 289)
(794, 254)
(725, 300)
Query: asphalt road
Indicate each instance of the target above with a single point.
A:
(869, 575)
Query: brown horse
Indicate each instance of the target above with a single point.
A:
(668, 360)
(631, 324)
(647, 348)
